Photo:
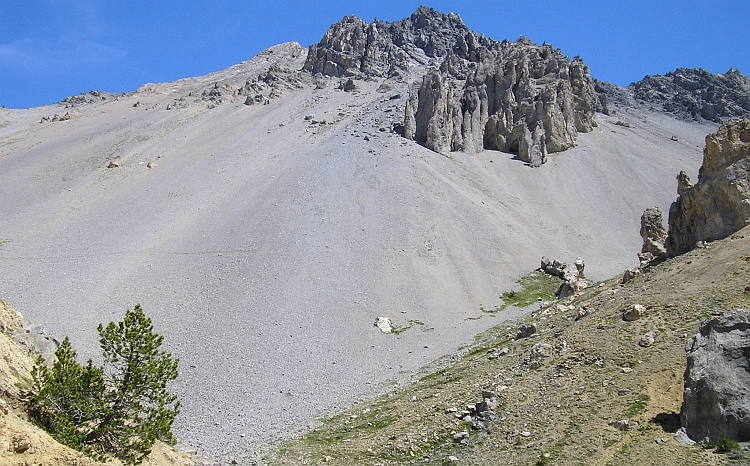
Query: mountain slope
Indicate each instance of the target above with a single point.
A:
(282, 215)
(561, 406)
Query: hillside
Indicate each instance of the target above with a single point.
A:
(561, 404)
(266, 215)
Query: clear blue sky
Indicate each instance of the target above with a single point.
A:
(50, 49)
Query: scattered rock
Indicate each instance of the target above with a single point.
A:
(581, 313)
(573, 278)
(496, 354)
(648, 339)
(715, 401)
(461, 438)
(719, 204)
(634, 312)
(349, 85)
(384, 324)
(541, 350)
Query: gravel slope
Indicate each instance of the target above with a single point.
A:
(264, 246)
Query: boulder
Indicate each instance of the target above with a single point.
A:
(716, 400)
(633, 313)
(525, 331)
(719, 203)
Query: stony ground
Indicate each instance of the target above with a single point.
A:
(560, 407)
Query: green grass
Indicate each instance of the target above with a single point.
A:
(533, 286)
(638, 406)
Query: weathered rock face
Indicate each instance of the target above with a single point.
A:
(353, 47)
(697, 94)
(653, 233)
(479, 94)
(715, 401)
(518, 97)
(719, 203)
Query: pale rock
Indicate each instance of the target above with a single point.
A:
(634, 312)
(384, 324)
(648, 338)
(715, 400)
(541, 350)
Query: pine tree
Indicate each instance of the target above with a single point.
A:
(68, 397)
(119, 409)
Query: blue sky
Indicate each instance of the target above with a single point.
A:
(50, 49)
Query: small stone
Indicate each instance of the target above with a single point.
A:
(626, 370)
(384, 324)
(525, 434)
(151, 165)
(660, 441)
(20, 444)
(461, 437)
(648, 339)
(113, 164)
(624, 425)
(452, 459)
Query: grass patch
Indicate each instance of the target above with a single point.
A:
(725, 445)
(533, 286)
(638, 406)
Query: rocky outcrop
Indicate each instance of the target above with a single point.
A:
(654, 235)
(518, 97)
(697, 94)
(353, 47)
(479, 93)
(715, 401)
(573, 277)
(719, 203)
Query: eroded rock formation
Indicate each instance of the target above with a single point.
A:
(653, 233)
(715, 401)
(719, 203)
(478, 93)
(519, 97)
